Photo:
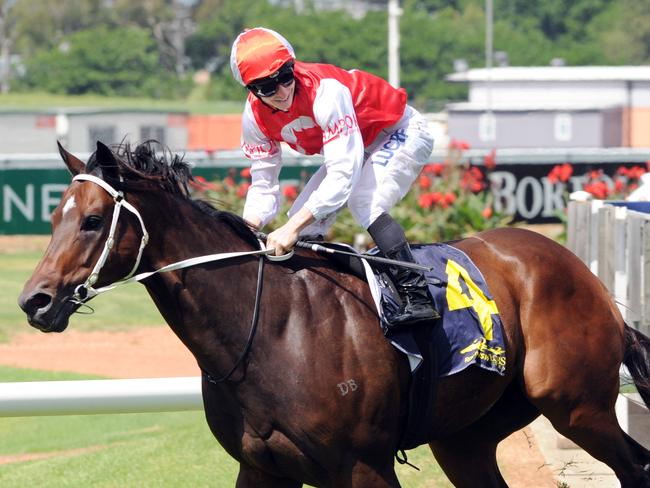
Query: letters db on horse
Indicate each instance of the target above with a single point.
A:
(31, 188)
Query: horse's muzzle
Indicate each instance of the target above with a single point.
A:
(44, 311)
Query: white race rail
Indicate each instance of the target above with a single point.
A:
(100, 396)
(614, 242)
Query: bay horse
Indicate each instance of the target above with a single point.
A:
(281, 412)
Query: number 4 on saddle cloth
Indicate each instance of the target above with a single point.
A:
(468, 332)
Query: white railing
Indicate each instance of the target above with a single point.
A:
(615, 243)
(100, 396)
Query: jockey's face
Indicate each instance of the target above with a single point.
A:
(283, 98)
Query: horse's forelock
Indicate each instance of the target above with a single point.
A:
(144, 168)
(143, 163)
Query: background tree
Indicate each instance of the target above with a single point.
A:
(44, 24)
(170, 23)
(7, 37)
(622, 33)
(96, 61)
(186, 36)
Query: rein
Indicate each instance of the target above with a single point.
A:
(85, 291)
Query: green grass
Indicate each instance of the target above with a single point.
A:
(124, 308)
(143, 450)
(44, 101)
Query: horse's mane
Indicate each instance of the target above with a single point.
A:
(143, 168)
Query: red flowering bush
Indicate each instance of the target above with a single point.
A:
(290, 192)
(449, 200)
(595, 182)
(600, 185)
(560, 173)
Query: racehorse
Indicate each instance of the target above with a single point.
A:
(276, 341)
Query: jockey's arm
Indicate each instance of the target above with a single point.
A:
(343, 158)
(342, 148)
(285, 237)
(263, 196)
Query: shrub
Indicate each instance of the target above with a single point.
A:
(449, 200)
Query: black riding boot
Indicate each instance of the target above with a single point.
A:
(413, 289)
(411, 284)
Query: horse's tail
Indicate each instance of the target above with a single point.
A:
(637, 361)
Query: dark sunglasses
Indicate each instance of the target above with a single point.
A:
(267, 87)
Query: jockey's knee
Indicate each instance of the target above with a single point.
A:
(365, 209)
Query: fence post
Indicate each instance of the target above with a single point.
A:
(578, 228)
(621, 292)
(605, 242)
(644, 325)
(633, 268)
(593, 234)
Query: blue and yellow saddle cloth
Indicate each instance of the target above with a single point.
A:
(470, 330)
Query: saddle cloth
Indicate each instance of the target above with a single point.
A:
(469, 331)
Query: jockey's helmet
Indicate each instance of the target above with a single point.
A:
(258, 53)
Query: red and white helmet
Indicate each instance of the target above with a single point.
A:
(258, 53)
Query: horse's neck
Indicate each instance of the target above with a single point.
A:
(202, 304)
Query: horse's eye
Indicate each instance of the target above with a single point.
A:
(92, 222)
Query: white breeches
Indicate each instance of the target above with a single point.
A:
(392, 162)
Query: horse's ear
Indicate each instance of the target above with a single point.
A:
(74, 164)
(107, 161)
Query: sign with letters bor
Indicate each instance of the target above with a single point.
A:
(525, 191)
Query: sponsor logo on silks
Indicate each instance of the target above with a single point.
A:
(258, 151)
(479, 349)
(345, 125)
(395, 141)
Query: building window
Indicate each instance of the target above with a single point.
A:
(102, 133)
(155, 132)
(487, 127)
(562, 127)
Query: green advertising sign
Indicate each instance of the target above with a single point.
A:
(31, 190)
(29, 196)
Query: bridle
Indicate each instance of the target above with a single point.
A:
(85, 291)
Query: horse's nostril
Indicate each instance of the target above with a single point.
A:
(36, 302)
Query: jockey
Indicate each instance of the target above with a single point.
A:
(374, 146)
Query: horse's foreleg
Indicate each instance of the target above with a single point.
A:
(364, 475)
(253, 478)
(469, 463)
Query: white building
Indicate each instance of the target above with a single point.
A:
(553, 106)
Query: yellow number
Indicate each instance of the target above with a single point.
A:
(456, 299)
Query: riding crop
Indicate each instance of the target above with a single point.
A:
(322, 249)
